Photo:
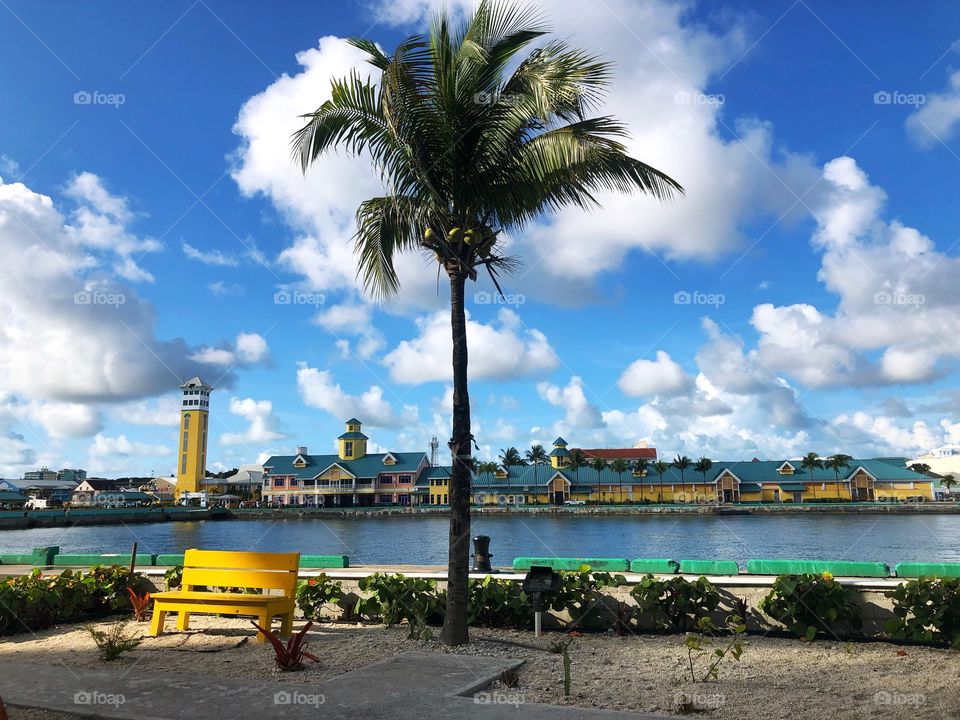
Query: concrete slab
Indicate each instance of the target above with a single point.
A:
(410, 686)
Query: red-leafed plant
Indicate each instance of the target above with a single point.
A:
(289, 656)
(3, 711)
(140, 604)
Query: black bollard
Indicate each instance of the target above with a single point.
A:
(481, 554)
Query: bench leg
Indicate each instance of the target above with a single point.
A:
(286, 628)
(265, 621)
(156, 622)
(183, 620)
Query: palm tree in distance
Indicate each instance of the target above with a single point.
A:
(598, 464)
(837, 463)
(810, 462)
(660, 467)
(948, 481)
(511, 457)
(921, 468)
(487, 467)
(703, 466)
(536, 456)
(577, 460)
(640, 466)
(471, 140)
(681, 463)
(619, 466)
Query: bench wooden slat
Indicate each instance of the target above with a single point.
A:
(260, 579)
(226, 559)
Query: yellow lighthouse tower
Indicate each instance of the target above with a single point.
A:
(194, 409)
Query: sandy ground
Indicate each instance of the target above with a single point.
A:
(776, 678)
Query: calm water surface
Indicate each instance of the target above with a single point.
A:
(386, 540)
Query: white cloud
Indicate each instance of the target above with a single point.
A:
(662, 376)
(499, 351)
(579, 412)
(352, 319)
(223, 289)
(318, 389)
(208, 257)
(252, 348)
(263, 423)
(938, 118)
(104, 448)
(248, 349)
(164, 411)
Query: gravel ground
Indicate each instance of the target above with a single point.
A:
(776, 678)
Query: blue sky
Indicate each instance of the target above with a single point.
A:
(143, 156)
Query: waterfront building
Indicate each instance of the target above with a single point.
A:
(56, 490)
(43, 474)
(91, 491)
(74, 475)
(352, 477)
(192, 455)
(246, 483)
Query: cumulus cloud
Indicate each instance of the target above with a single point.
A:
(353, 320)
(104, 447)
(504, 349)
(318, 389)
(248, 349)
(578, 411)
(164, 411)
(662, 376)
(263, 423)
(936, 121)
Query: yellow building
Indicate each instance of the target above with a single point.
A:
(192, 456)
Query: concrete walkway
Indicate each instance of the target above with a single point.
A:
(410, 686)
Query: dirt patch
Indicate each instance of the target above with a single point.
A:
(776, 678)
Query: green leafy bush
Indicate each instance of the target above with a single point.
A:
(498, 603)
(580, 596)
(676, 604)
(927, 610)
(316, 592)
(37, 601)
(115, 641)
(812, 604)
(392, 599)
(173, 577)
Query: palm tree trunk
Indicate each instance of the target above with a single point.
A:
(454, 630)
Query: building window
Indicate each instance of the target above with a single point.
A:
(404, 479)
(183, 465)
(185, 438)
(278, 482)
(186, 421)
(348, 448)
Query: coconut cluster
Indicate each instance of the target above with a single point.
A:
(466, 244)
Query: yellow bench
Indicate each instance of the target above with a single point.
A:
(212, 568)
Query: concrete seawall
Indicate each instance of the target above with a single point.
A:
(23, 520)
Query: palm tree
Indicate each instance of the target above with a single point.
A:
(948, 481)
(487, 467)
(511, 457)
(620, 466)
(703, 466)
(660, 467)
(577, 460)
(471, 140)
(681, 463)
(836, 463)
(598, 464)
(811, 461)
(921, 468)
(536, 456)
(640, 467)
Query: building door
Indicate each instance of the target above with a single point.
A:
(558, 497)
(728, 496)
(798, 496)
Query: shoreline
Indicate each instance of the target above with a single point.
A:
(99, 516)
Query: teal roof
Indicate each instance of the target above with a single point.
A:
(559, 452)
(7, 496)
(559, 441)
(366, 467)
(352, 421)
(749, 487)
(353, 436)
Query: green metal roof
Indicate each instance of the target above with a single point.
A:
(366, 467)
(559, 441)
(749, 487)
(352, 421)
(7, 496)
(353, 436)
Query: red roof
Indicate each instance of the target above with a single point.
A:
(622, 453)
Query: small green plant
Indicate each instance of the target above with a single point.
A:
(812, 604)
(698, 646)
(510, 678)
(926, 610)
(498, 603)
(392, 599)
(676, 604)
(173, 577)
(140, 604)
(580, 596)
(289, 655)
(563, 648)
(317, 592)
(113, 642)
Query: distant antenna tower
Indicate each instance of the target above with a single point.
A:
(434, 446)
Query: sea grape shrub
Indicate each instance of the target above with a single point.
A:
(391, 599)
(317, 592)
(580, 595)
(173, 577)
(110, 584)
(676, 604)
(498, 604)
(926, 610)
(813, 604)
